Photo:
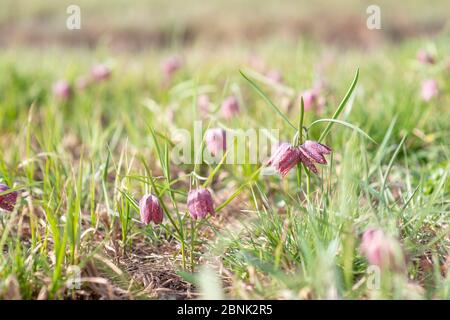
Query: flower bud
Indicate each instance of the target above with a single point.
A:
(62, 89)
(8, 200)
(230, 107)
(150, 209)
(216, 140)
(284, 158)
(200, 203)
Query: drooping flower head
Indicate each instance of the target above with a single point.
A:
(8, 200)
(425, 57)
(216, 140)
(284, 158)
(150, 209)
(312, 151)
(381, 249)
(230, 107)
(200, 203)
(62, 89)
(100, 72)
(429, 89)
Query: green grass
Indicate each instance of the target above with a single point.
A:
(83, 164)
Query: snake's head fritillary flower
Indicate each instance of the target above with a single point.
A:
(62, 89)
(309, 99)
(171, 65)
(200, 203)
(429, 89)
(275, 75)
(203, 104)
(150, 209)
(284, 158)
(216, 140)
(425, 57)
(313, 151)
(7, 200)
(316, 150)
(100, 72)
(381, 249)
(230, 107)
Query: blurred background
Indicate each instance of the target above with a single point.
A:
(140, 24)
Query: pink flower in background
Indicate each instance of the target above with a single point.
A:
(284, 158)
(425, 57)
(312, 98)
(150, 209)
(230, 107)
(257, 63)
(275, 76)
(381, 249)
(216, 140)
(309, 99)
(83, 82)
(7, 201)
(200, 203)
(203, 104)
(171, 65)
(62, 89)
(429, 89)
(100, 72)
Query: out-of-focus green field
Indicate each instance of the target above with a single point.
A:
(82, 164)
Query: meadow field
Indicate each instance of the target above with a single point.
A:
(167, 150)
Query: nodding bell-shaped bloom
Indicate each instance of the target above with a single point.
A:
(230, 107)
(425, 57)
(381, 249)
(429, 89)
(203, 104)
(216, 140)
(150, 209)
(200, 203)
(312, 151)
(275, 75)
(171, 65)
(100, 72)
(8, 200)
(284, 158)
(62, 89)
